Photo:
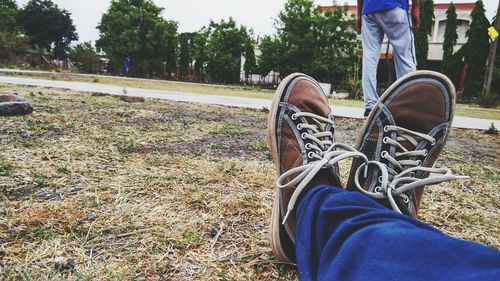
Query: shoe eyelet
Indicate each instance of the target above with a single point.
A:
(380, 179)
(383, 154)
(411, 174)
(299, 127)
(386, 129)
(308, 146)
(294, 117)
(433, 143)
(406, 200)
(426, 152)
(310, 155)
(377, 189)
(385, 140)
(419, 163)
(303, 136)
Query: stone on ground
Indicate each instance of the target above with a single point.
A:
(11, 104)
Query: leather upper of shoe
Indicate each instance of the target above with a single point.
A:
(405, 132)
(302, 96)
(302, 134)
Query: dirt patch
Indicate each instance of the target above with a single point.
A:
(32, 191)
(475, 144)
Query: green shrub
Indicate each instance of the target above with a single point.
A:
(492, 130)
(488, 100)
(355, 89)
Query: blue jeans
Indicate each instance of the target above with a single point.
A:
(396, 25)
(346, 236)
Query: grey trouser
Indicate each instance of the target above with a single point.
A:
(396, 24)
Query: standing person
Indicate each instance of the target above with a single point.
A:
(392, 18)
(126, 65)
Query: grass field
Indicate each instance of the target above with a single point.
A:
(176, 191)
(466, 110)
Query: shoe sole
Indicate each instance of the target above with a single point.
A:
(276, 228)
(407, 77)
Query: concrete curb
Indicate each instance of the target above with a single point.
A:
(339, 111)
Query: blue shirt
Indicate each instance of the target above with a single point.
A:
(382, 5)
(126, 62)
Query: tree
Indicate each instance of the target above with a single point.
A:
(495, 82)
(8, 15)
(492, 56)
(11, 47)
(450, 40)
(224, 49)
(476, 53)
(270, 55)
(170, 48)
(48, 26)
(310, 41)
(422, 36)
(184, 55)
(296, 32)
(336, 46)
(86, 56)
(200, 57)
(136, 28)
(250, 60)
(10, 42)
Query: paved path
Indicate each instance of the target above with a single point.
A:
(83, 75)
(341, 111)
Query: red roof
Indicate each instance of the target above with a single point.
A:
(352, 8)
(458, 6)
(443, 6)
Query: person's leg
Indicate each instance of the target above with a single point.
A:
(348, 236)
(337, 235)
(345, 236)
(300, 137)
(371, 38)
(396, 24)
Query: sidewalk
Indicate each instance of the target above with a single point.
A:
(340, 111)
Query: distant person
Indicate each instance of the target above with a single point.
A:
(126, 66)
(368, 230)
(396, 20)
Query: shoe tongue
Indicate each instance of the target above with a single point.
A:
(411, 113)
(316, 106)
(408, 145)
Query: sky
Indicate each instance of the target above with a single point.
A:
(191, 15)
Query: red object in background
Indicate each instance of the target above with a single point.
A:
(461, 78)
(8, 97)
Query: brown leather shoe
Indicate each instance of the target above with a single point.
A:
(404, 133)
(300, 132)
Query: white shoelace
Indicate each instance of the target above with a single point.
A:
(393, 184)
(307, 172)
(411, 137)
(316, 132)
(322, 149)
(403, 182)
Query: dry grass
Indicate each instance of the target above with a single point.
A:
(175, 191)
